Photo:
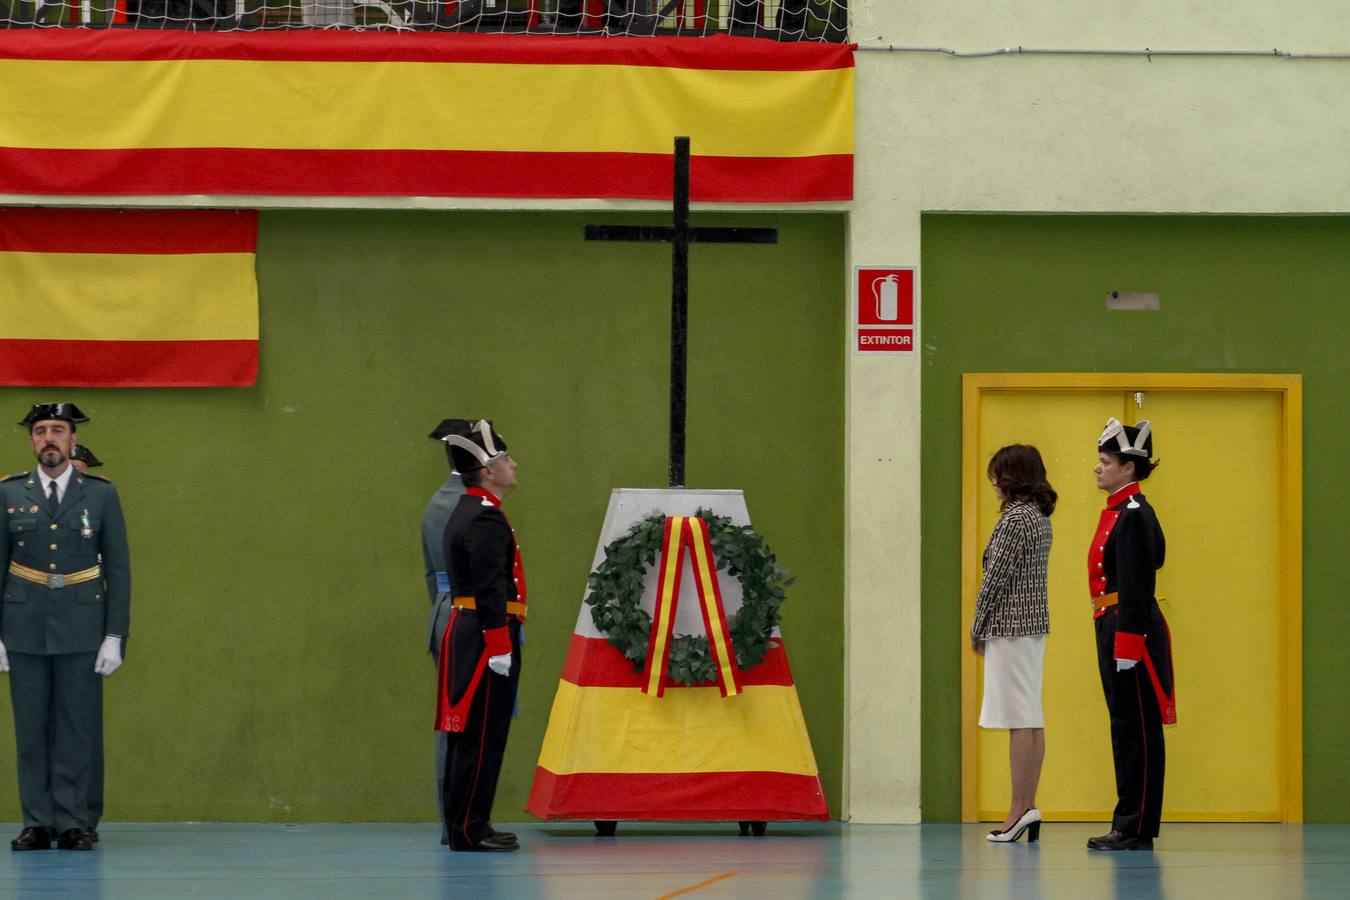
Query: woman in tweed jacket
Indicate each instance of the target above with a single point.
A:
(1011, 622)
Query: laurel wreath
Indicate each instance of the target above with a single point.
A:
(614, 593)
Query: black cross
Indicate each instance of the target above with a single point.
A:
(680, 236)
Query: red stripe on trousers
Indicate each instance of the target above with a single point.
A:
(36, 363)
(595, 662)
(1143, 737)
(708, 796)
(48, 230)
(228, 171)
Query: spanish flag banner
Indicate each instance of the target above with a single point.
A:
(145, 298)
(617, 749)
(325, 113)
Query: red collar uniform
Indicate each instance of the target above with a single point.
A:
(474, 704)
(1127, 549)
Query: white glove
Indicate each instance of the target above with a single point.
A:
(500, 664)
(4, 658)
(109, 656)
(1124, 665)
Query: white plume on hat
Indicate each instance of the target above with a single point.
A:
(1114, 429)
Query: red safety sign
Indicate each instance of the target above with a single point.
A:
(884, 306)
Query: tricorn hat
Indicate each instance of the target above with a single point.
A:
(473, 445)
(85, 455)
(65, 412)
(1131, 440)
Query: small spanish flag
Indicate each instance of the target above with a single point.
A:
(144, 298)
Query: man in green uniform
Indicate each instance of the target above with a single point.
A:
(83, 459)
(65, 614)
(438, 579)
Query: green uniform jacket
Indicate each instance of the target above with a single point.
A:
(442, 503)
(87, 530)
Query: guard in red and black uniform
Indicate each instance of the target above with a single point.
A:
(480, 653)
(1134, 647)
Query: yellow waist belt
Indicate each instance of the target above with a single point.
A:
(513, 607)
(54, 580)
(1110, 600)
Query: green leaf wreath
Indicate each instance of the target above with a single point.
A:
(614, 593)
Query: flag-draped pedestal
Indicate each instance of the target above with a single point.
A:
(633, 744)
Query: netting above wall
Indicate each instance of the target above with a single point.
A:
(787, 20)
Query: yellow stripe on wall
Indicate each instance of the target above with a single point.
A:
(125, 296)
(689, 730)
(423, 106)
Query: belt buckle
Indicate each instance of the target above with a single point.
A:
(55, 581)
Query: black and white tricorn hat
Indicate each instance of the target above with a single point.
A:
(473, 445)
(1131, 440)
(64, 412)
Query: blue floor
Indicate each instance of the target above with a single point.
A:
(256, 862)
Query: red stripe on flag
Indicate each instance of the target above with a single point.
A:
(128, 363)
(595, 662)
(707, 796)
(426, 173)
(46, 230)
(721, 52)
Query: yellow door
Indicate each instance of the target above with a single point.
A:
(1220, 493)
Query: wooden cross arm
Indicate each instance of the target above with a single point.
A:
(733, 235)
(630, 233)
(667, 234)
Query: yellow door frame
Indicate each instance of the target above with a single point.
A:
(1289, 389)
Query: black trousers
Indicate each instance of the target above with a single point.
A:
(473, 757)
(1136, 726)
(58, 725)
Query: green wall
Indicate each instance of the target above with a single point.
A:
(275, 670)
(1027, 293)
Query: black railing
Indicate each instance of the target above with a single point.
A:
(784, 20)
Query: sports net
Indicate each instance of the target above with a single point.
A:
(785, 20)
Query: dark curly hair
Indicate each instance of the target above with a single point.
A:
(1019, 474)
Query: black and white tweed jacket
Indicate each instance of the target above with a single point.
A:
(1012, 601)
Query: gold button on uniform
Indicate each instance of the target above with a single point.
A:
(51, 565)
(53, 546)
(53, 526)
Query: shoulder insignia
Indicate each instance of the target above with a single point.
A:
(12, 477)
(487, 503)
(102, 478)
(1133, 504)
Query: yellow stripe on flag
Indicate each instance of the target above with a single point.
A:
(424, 106)
(703, 570)
(689, 730)
(666, 601)
(128, 297)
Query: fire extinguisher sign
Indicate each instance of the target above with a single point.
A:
(884, 309)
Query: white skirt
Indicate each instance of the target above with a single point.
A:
(1012, 682)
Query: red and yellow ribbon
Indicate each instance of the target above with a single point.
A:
(689, 533)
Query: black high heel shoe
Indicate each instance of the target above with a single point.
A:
(1030, 822)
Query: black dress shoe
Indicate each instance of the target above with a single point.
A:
(505, 835)
(92, 832)
(496, 843)
(31, 839)
(74, 839)
(1118, 840)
